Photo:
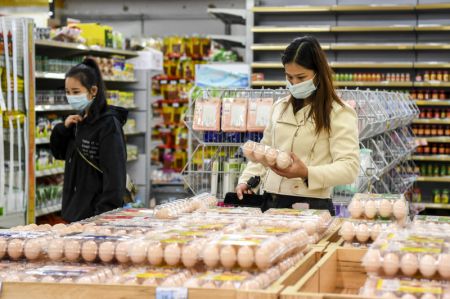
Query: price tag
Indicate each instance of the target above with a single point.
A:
(171, 293)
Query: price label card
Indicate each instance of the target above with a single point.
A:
(171, 293)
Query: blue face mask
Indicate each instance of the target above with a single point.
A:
(79, 102)
(302, 90)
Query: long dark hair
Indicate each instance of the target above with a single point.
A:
(89, 75)
(306, 52)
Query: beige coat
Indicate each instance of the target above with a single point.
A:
(332, 159)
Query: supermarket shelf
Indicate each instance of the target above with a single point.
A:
(435, 139)
(429, 205)
(373, 84)
(291, 9)
(273, 83)
(361, 46)
(48, 210)
(432, 84)
(437, 121)
(275, 29)
(51, 108)
(230, 15)
(440, 158)
(432, 65)
(42, 141)
(433, 103)
(371, 64)
(229, 40)
(61, 76)
(432, 46)
(61, 45)
(433, 28)
(437, 179)
(402, 28)
(336, 65)
(372, 7)
(433, 6)
(83, 48)
(49, 172)
(12, 219)
(280, 47)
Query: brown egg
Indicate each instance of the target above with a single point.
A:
(172, 254)
(211, 255)
(122, 252)
(59, 226)
(155, 254)
(228, 256)
(72, 250)
(391, 264)
(84, 280)
(15, 249)
(48, 279)
(262, 257)
(29, 278)
(189, 255)
(55, 250)
(138, 252)
(33, 249)
(89, 251)
(209, 285)
(90, 229)
(66, 280)
(246, 257)
(106, 251)
(3, 246)
(250, 285)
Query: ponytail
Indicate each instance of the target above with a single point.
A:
(89, 75)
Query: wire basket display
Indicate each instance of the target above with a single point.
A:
(216, 160)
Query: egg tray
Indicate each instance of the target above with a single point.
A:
(411, 255)
(18, 244)
(266, 155)
(238, 279)
(362, 231)
(399, 288)
(371, 208)
(432, 221)
(228, 211)
(56, 273)
(151, 276)
(174, 209)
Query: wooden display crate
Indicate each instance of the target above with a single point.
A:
(338, 275)
(18, 290)
(332, 233)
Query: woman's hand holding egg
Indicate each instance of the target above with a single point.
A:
(297, 169)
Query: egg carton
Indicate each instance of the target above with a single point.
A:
(59, 273)
(174, 209)
(266, 155)
(431, 223)
(17, 245)
(323, 217)
(363, 231)
(371, 206)
(231, 211)
(399, 288)
(151, 276)
(242, 279)
(424, 255)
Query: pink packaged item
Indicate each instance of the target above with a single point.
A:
(258, 114)
(234, 115)
(207, 115)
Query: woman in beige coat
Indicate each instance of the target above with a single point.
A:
(316, 127)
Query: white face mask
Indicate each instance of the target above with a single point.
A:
(302, 90)
(78, 102)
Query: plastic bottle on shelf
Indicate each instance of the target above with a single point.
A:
(420, 95)
(439, 76)
(435, 95)
(436, 196)
(426, 77)
(445, 76)
(442, 95)
(418, 77)
(420, 131)
(436, 170)
(429, 113)
(448, 113)
(417, 195)
(427, 131)
(440, 131)
(443, 171)
(436, 114)
(444, 197)
(443, 114)
(441, 149)
(427, 95)
(432, 76)
(408, 77)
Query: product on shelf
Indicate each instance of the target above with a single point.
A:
(46, 161)
(373, 77)
(120, 98)
(266, 155)
(130, 126)
(53, 65)
(45, 126)
(51, 97)
(234, 114)
(432, 76)
(115, 68)
(132, 151)
(362, 231)
(371, 206)
(410, 251)
(172, 210)
(258, 114)
(207, 115)
(385, 287)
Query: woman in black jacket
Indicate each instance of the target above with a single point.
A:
(92, 144)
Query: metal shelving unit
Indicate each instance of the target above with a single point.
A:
(383, 118)
(16, 122)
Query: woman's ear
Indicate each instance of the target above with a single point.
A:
(94, 90)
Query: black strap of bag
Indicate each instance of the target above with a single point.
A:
(130, 187)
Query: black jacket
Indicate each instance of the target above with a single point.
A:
(87, 192)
